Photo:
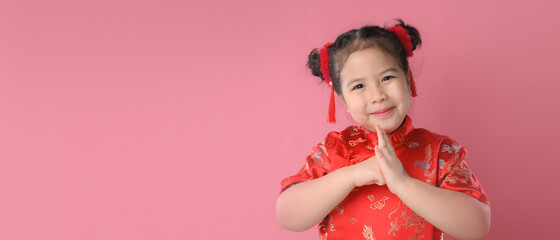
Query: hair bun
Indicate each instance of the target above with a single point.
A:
(413, 33)
(314, 63)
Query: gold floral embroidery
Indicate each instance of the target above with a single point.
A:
(398, 206)
(451, 180)
(355, 131)
(428, 150)
(408, 218)
(368, 233)
(446, 148)
(327, 224)
(395, 227)
(379, 204)
(415, 221)
(354, 142)
(429, 175)
(456, 158)
(339, 208)
(322, 147)
(394, 223)
(427, 166)
(461, 174)
(317, 155)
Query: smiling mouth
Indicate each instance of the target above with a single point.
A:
(384, 112)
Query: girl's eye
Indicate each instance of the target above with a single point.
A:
(386, 78)
(358, 87)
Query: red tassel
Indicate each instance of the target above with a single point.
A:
(412, 85)
(332, 109)
(324, 55)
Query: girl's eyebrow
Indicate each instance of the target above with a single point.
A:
(387, 70)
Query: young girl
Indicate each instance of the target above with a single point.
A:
(381, 179)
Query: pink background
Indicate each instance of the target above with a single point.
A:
(178, 119)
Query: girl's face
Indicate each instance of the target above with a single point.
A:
(375, 89)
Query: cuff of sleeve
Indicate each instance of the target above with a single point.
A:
(290, 181)
(473, 192)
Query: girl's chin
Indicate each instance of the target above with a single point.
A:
(387, 129)
(388, 125)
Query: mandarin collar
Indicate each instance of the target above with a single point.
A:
(396, 137)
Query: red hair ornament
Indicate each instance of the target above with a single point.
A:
(324, 55)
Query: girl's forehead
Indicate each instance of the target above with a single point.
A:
(370, 61)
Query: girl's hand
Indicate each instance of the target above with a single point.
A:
(366, 173)
(393, 171)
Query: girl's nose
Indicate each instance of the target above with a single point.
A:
(377, 94)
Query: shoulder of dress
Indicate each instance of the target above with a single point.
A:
(352, 129)
(353, 132)
(443, 142)
(349, 134)
(427, 135)
(423, 135)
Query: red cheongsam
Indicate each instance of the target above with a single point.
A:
(372, 211)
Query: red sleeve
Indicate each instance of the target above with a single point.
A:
(318, 162)
(454, 173)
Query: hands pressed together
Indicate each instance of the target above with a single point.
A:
(383, 168)
(457, 214)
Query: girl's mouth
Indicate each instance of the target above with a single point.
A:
(384, 112)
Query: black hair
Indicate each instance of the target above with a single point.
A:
(359, 39)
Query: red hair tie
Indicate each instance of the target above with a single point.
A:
(324, 56)
(404, 38)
